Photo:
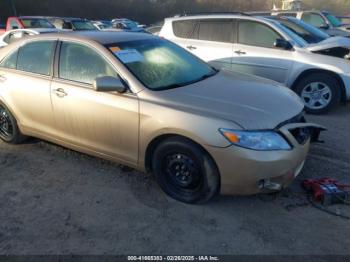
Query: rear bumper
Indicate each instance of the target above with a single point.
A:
(245, 172)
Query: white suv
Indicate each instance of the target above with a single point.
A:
(266, 48)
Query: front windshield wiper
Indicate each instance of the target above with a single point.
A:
(177, 85)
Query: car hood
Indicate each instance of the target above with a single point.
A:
(329, 43)
(250, 102)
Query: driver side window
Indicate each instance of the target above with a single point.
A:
(80, 63)
(256, 34)
(313, 19)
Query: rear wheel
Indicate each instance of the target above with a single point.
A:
(185, 171)
(319, 92)
(9, 131)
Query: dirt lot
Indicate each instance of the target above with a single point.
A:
(56, 201)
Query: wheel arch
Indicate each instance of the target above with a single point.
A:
(159, 139)
(315, 71)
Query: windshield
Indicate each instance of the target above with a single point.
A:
(308, 32)
(130, 24)
(105, 25)
(334, 21)
(160, 64)
(83, 25)
(36, 23)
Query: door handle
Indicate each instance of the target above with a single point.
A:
(239, 52)
(60, 92)
(2, 78)
(190, 47)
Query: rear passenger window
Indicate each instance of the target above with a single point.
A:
(10, 61)
(184, 29)
(219, 30)
(256, 34)
(313, 19)
(36, 57)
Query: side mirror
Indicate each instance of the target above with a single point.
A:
(283, 44)
(324, 27)
(109, 84)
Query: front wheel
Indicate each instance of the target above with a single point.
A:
(319, 92)
(185, 171)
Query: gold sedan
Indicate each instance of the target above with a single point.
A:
(146, 103)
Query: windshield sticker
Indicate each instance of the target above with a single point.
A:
(129, 56)
(114, 49)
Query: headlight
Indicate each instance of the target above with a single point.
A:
(256, 140)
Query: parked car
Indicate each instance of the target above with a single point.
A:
(127, 25)
(345, 20)
(155, 28)
(26, 22)
(266, 48)
(69, 23)
(320, 19)
(156, 108)
(102, 24)
(309, 33)
(14, 35)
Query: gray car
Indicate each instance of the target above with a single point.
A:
(323, 20)
(266, 48)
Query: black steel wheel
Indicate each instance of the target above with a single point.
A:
(185, 171)
(9, 131)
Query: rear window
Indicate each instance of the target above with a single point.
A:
(36, 57)
(36, 23)
(184, 29)
(218, 30)
(10, 61)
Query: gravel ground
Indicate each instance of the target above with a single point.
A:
(56, 201)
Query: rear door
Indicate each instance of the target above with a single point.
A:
(212, 40)
(25, 76)
(255, 53)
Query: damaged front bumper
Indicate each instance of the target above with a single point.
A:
(245, 171)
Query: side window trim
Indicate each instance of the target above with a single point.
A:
(246, 20)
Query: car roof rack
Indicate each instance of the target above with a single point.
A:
(212, 13)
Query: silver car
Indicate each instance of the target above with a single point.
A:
(318, 73)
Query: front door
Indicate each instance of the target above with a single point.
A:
(105, 122)
(255, 53)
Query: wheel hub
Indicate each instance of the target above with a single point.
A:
(316, 95)
(5, 124)
(181, 170)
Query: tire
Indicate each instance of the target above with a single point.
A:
(9, 131)
(320, 92)
(185, 171)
